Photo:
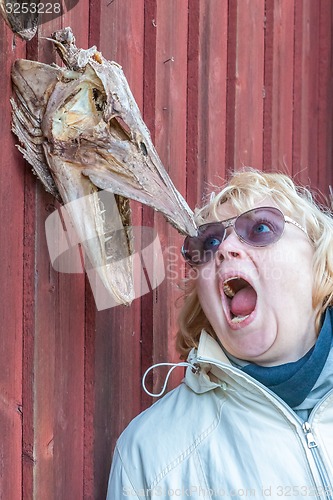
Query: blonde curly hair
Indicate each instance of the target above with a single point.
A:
(244, 189)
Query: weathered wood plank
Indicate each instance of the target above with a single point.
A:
(246, 82)
(325, 98)
(118, 30)
(207, 85)
(170, 138)
(279, 79)
(149, 104)
(165, 115)
(56, 335)
(312, 144)
(305, 152)
(11, 274)
(28, 375)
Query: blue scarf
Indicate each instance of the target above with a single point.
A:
(292, 382)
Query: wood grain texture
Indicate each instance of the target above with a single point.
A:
(246, 83)
(56, 336)
(11, 274)
(325, 98)
(207, 97)
(117, 372)
(170, 140)
(305, 133)
(278, 89)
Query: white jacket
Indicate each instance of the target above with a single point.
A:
(221, 434)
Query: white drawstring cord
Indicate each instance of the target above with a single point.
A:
(173, 366)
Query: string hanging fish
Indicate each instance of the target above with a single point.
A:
(82, 131)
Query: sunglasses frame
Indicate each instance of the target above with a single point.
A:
(231, 223)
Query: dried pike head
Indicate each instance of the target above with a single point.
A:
(82, 131)
(35, 84)
(21, 18)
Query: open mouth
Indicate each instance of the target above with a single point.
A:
(241, 298)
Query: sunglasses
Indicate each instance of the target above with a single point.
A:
(258, 227)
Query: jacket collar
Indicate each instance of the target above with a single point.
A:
(215, 369)
(211, 349)
(210, 368)
(204, 373)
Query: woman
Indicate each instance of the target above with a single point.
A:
(254, 415)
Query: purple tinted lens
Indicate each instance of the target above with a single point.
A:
(200, 249)
(261, 226)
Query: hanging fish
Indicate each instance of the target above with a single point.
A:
(82, 131)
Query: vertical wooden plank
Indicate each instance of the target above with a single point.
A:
(54, 334)
(11, 274)
(212, 90)
(119, 33)
(58, 368)
(298, 78)
(311, 86)
(325, 98)
(206, 95)
(28, 375)
(69, 390)
(165, 114)
(170, 138)
(193, 70)
(71, 348)
(149, 105)
(89, 477)
(45, 325)
(246, 82)
(278, 102)
(231, 84)
(305, 158)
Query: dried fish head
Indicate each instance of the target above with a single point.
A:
(82, 131)
(36, 85)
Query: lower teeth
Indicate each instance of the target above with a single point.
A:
(239, 319)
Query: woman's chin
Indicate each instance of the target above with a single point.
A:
(254, 347)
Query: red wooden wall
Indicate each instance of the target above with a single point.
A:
(221, 84)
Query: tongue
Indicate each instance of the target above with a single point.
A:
(244, 302)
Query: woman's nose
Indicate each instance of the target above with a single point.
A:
(230, 248)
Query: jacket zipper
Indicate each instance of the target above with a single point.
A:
(327, 488)
(313, 446)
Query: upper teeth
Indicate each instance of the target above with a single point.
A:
(227, 288)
